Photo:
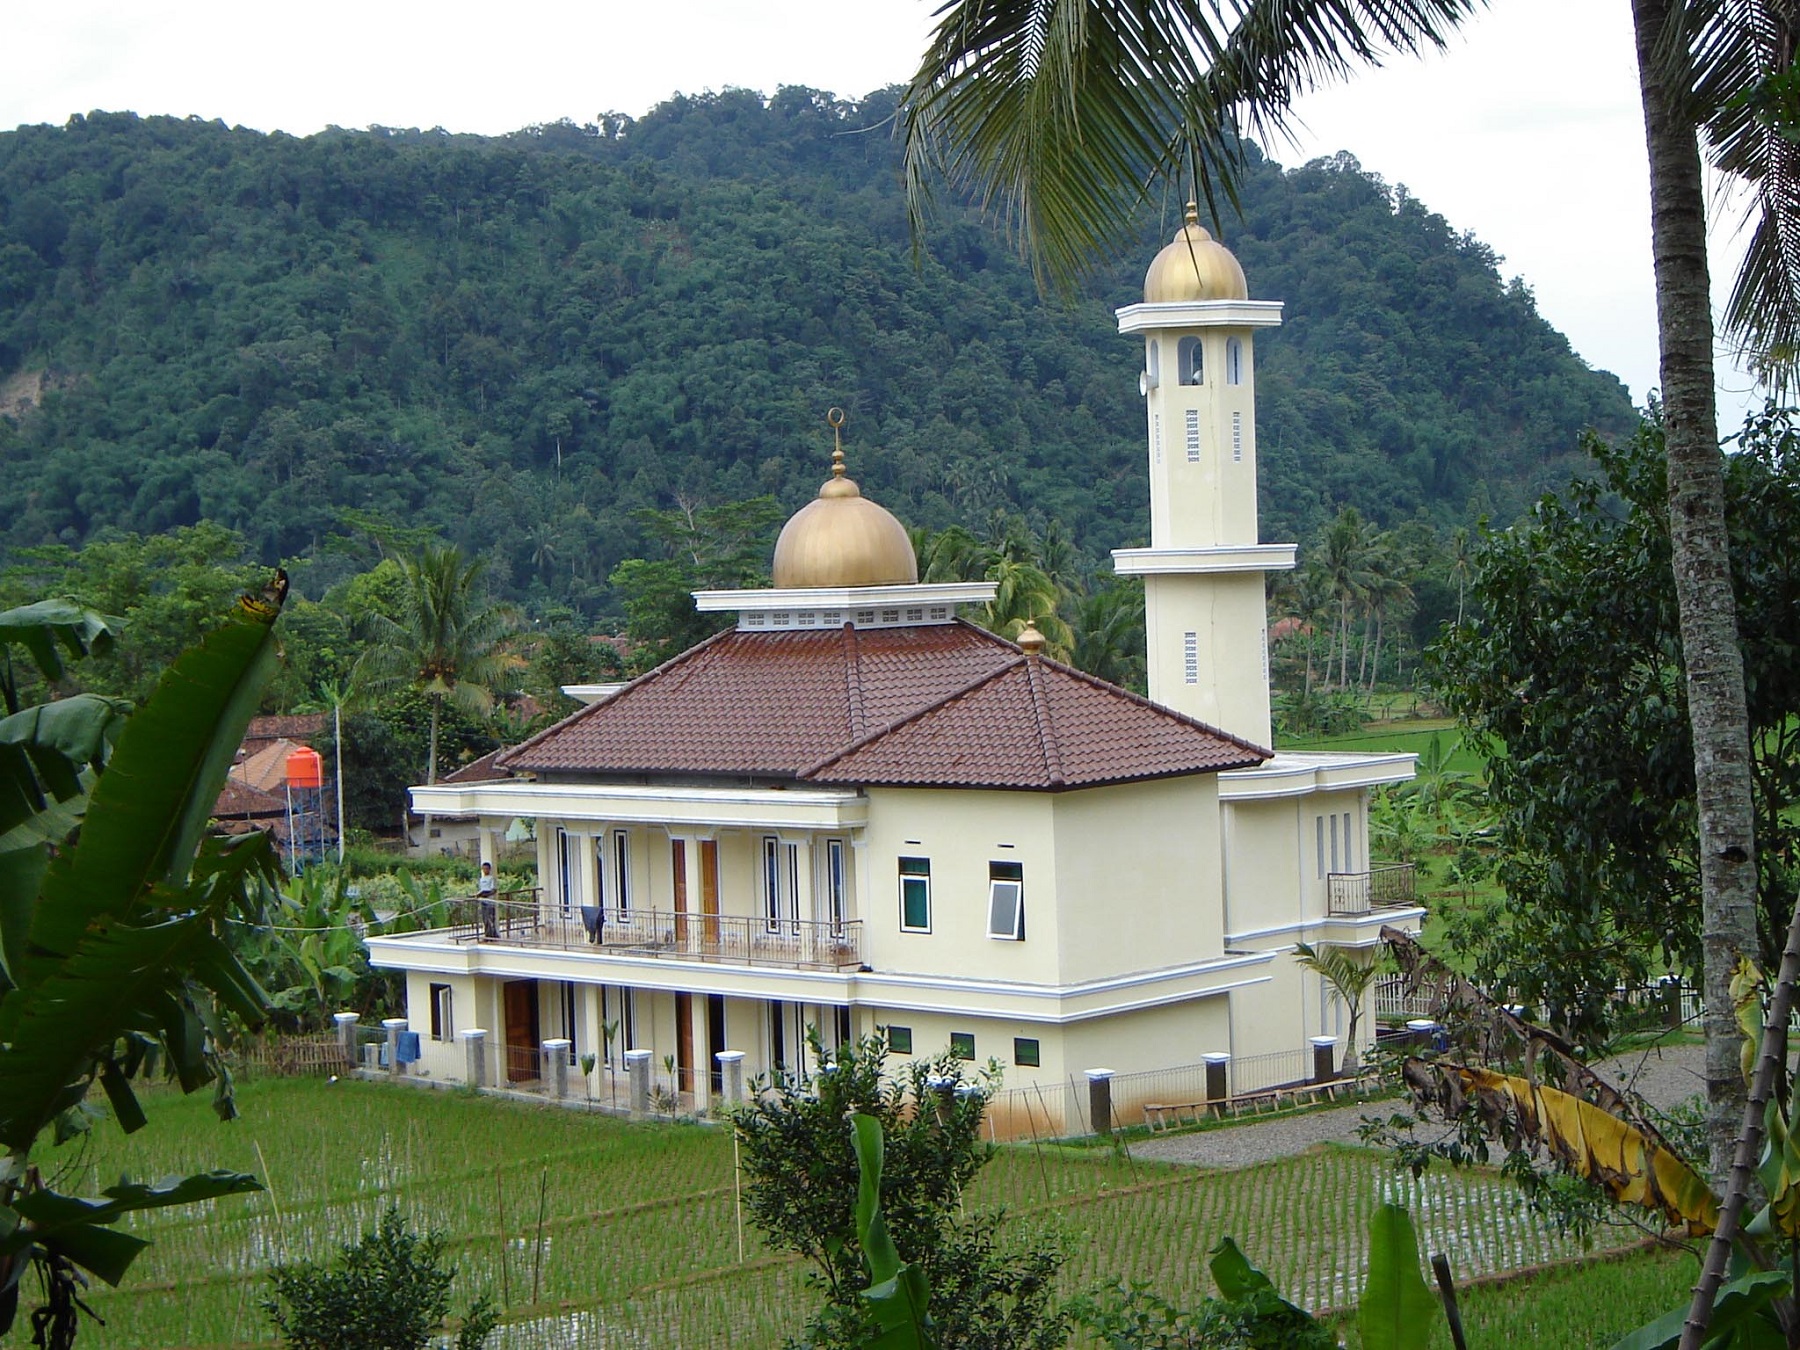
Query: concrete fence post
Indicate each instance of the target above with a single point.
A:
(475, 1049)
(394, 1026)
(1218, 1079)
(346, 1035)
(1100, 1101)
(731, 1074)
(1423, 1032)
(556, 1067)
(637, 1071)
(1323, 1070)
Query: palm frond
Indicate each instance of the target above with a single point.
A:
(1063, 115)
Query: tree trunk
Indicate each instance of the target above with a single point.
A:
(1709, 645)
(431, 763)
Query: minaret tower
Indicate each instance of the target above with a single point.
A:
(1205, 617)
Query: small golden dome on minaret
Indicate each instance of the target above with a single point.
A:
(1194, 267)
(841, 538)
(1030, 641)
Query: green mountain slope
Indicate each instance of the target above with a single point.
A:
(521, 340)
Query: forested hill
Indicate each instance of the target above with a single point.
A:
(522, 340)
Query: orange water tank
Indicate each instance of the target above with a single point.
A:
(304, 768)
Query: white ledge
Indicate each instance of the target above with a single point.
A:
(1143, 317)
(849, 597)
(1134, 562)
(634, 804)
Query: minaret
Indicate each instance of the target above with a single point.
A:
(1206, 621)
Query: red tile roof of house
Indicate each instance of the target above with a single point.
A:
(302, 727)
(480, 770)
(946, 705)
(1036, 725)
(238, 799)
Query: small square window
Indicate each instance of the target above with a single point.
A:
(1025, 1052)
(915, 895)
(899, 1040)
(962, 1044)
(1006, 901)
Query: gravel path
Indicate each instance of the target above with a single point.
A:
(1664, 1077)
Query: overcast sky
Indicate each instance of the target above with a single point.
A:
(1527, 132)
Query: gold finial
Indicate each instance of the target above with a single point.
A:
(835, 419)
(1031, 642)
(1193, 212)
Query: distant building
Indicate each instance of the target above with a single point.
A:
(856, 810)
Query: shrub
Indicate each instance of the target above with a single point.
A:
(387, 1292)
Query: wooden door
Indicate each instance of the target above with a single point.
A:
(521, 998)
(678, 873)
(684, 1041)
(709, 893)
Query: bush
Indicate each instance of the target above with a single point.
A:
(387, 1292)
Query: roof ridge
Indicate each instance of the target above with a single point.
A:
(853, 679)
(630, 687)
(1046, 722)
(914, 715)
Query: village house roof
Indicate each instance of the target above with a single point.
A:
(945, 705)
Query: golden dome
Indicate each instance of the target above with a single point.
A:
(1194, 267)
(841, 538)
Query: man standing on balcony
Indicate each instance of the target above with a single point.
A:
(484, 894)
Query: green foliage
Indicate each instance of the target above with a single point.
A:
(1575, 668)
(1248, 1314)
(390, 1291)
(898, 1295)
(1396, 1310)
(495, 339)
(110, 954)
(809, 1191)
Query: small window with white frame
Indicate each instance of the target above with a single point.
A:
(915, 895)
(443, 1013)
(1006, 901)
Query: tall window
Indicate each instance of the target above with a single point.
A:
(1349, 856)
(1006, 901)
(1319, 844)
(780, 882)
(568, 869)
(836, 884)
(570, 1018)
(1190, 361)
(601, 891)
(1234, 361)
(915, 895)
(621, 870)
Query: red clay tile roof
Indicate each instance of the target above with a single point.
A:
(302, 727)
(1036, 725)
(946, 705)
(480, 770)
(241, 799)
(764, 703)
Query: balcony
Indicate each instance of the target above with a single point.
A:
(791, 944)
(1384, 886)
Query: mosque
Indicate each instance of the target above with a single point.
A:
(854, 809)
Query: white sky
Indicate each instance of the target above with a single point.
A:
(1536, 146)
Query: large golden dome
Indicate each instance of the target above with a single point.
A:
(841, 538)
(1194, 267)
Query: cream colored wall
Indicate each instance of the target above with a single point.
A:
(961, 832)
(1228, 613)
(1138, 877)
(1153, 1038)
(442, 1059)
(1265, 869)
(1211, 501)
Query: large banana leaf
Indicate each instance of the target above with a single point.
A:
(150, 807)
(47, 630)
(898, 1295)
(1739, 1318)
(1397, 1311)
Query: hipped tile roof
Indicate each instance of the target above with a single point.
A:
(947, 705)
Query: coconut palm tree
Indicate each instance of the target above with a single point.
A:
(1351, 978)
(451, 643)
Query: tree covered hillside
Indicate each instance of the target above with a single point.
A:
(522, 341)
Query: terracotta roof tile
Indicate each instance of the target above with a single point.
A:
(942, 705)
(481, 770)
(241, 799)
(764, 703)
(1036, 725)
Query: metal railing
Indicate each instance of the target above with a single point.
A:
(523, 919)
(1384, 886)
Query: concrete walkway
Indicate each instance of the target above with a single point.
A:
(1664, 1077)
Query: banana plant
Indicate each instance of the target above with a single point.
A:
(898, 1295)
(113, 898)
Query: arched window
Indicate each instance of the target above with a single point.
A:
(1188, 358)
(1234, 361)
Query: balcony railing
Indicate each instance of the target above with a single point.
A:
(1384, 886)
(687, 935)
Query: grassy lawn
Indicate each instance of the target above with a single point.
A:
(638, 1244)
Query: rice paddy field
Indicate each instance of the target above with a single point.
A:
(595, 1232)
